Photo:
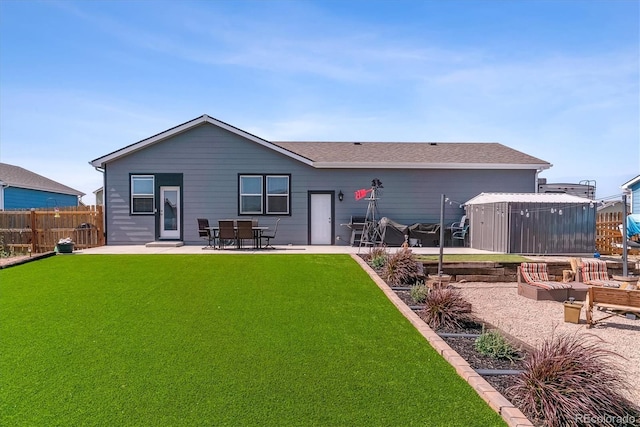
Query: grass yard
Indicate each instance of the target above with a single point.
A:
(187, 340)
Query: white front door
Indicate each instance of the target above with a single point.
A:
(321, 225)
(169, 212)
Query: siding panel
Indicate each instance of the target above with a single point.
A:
(24, 198)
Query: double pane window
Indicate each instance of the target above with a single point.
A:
(265, 194)
(142, 194)
(251, 194)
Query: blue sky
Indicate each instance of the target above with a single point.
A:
(558, 80)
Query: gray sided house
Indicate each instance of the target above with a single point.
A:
(532, 223)
(155, 189)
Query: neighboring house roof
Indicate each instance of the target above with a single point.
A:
(390, 155)
(15, 176)
(610, 204)
(484, 198)
(630, 183)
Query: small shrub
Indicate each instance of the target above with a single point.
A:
(419, 293)
(378, 256)
(401, 268)
(570, 380)
(446, 308)
(495, 345)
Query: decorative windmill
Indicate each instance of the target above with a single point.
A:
(371, 232)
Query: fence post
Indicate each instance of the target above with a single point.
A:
(34, 233)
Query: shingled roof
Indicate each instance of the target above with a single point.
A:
(432, 155)
(354, 155)
(15, 176)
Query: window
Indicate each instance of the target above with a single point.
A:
(251, 194)
(277, 194)
(142, 194)
(264, 194)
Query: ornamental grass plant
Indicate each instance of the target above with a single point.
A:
(401, 268)
(572, 380)
(446, 308)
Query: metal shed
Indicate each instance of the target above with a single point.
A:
(532, 223)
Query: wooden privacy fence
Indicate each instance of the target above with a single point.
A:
(39, 230)
(608, 235)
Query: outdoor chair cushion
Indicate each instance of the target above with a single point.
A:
(535, 273)
(594, 272)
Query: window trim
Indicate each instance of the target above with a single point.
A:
(264, 196)
(151, 195)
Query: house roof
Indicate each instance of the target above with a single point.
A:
(389, 155)
(101, 161)
(431, 155)
(15, 176)
(633, 181)
(609, 204)
(484, 198)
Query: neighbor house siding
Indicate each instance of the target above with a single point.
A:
(211, 158)
(23, 198)
(635, 198)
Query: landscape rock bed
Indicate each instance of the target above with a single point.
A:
(465, 347)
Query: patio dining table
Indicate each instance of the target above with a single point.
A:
(257, 233)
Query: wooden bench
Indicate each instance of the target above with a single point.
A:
(623, 300)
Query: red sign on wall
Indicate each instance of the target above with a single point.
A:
(361, 194)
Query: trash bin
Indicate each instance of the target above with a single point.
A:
(572, 311)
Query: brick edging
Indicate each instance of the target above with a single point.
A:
(512, 415)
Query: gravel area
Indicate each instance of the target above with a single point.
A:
(533, 321)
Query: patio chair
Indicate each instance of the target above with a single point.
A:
(594, 273)
(460, 235)
(245, 232)
(458, 225)
(270, 235)
(206, 233)
(226, 233)
(534, 283)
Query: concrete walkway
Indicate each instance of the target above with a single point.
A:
(279, 249)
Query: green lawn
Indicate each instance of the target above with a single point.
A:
(170, 340)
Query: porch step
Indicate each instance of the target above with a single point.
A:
(165, 244)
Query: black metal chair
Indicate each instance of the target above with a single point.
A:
(206, 233)
(270, 235)
(245, 232)
(226, 233)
